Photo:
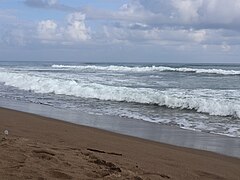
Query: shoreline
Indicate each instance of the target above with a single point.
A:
(40, 147)
(137, 128)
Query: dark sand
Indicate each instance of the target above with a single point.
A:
(43, 148)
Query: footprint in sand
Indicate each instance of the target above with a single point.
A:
(43, 154)
(59, 175)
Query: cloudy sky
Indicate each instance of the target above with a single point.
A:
(120, 30)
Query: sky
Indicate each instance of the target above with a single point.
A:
(170, 31)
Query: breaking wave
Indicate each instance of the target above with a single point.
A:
(148, 69)
(212, 102)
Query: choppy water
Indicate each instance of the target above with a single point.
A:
(198, 97)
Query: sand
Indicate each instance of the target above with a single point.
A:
(43, 148)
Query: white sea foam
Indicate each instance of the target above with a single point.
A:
(148, 69)
(212, 102)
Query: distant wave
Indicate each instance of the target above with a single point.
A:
(212, 102)
(148, 69)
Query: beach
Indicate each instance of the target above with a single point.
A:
(130, 90)
(37, 147)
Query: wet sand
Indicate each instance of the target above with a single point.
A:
(43, 148)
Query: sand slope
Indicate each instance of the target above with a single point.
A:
(44, 148)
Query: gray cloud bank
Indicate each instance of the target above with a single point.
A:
(172, 25)
(48, 4)
(210, 14)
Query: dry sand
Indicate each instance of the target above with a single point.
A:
(43, 148)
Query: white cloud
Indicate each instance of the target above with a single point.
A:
(165, 22)
(198, 22)
(135, 33)
(47, 30)
(129, 35)
(75, 30)
(221, 11)
(209, 14)
(212, 14)
(187, 9)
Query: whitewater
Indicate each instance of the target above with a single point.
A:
(196, 97)
(148, 69)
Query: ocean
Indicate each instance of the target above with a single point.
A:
(197, 97)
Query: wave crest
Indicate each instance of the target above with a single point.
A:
(212, 102)
(147, 69)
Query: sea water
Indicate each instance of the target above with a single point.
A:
(198, 97)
